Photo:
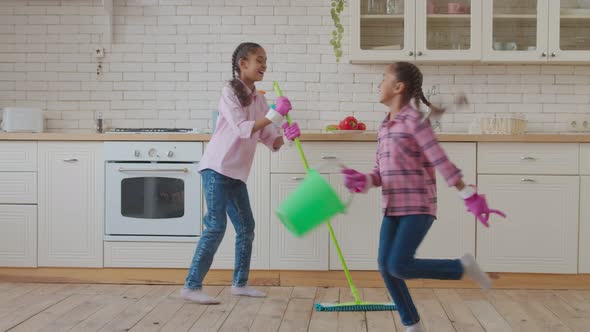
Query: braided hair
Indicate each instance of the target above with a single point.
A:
(410, 75)
(241, 52)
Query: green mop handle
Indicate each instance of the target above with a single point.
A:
(297, 143)
(353, 288)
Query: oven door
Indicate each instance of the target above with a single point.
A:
(157, 199)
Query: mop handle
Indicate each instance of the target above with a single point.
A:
(297, 143)
(353, 288)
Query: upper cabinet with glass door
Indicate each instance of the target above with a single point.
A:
(422, 30)
(515, 30)
(382, 30)
(448, 30)
(569, 31)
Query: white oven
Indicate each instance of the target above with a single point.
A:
(152, 189)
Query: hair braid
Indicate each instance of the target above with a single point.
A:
(410, 74)
(241, 52)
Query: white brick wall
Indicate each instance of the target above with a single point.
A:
(169, 59)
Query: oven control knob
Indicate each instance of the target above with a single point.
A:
(136, 153)
(152, 152)
(170, 154)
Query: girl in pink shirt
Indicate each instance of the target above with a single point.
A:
(407, 156)
(244, 120)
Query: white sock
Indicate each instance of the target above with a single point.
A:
(247, 291)
(197, 295)
(473, 271)
(415, 328)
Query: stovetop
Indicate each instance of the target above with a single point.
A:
(153, 131)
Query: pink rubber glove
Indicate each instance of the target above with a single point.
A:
(283, 105)
(291, 131)
(477, 205)
(355, 181)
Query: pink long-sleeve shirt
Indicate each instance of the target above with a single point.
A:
(407, 155)
(231, 149)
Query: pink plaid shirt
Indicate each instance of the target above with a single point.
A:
(407, 154)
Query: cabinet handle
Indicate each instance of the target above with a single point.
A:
(297, 178)
(328, 158)
(527, 158)
(411, 53)
(528, 180)
(544, 54)
(553, 54)
(71, 160)
(183, 170)
(420, 53)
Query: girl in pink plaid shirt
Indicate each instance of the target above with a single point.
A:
(407, 156)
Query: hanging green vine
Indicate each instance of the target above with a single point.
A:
(335, 11)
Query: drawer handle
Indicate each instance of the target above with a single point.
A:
(527, 158)
(71, 160)
(297, 178)
(328, 158)
(528, 180)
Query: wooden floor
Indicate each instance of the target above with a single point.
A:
(81, 307)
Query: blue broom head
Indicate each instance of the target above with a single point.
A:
(335, 307)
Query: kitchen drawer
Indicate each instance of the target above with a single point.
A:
(585, 159)
(149, 254)
(358, 155)
(18, 188)
(18, 157)
(18, 235)
(528, 158)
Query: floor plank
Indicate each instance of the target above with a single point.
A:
(27, 308)
(350, 321)
(378, 321)
(51, 314)
(486, 314)
(324, 320)
(457, 311)
(432, 314)
(270, 315)
(512, 311)
(184, 319)
(297, 315)
(544, 318)
(214, 316)
(136, 311)
(243, 315)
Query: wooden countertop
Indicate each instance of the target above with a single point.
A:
(318, 137)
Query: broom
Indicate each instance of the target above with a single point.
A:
(357, 305)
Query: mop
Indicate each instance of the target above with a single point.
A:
(357, 305)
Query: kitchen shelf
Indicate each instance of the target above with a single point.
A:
(395, 17)
(449, 17)
(515, 17)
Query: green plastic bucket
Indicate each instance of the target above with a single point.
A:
(312, 203)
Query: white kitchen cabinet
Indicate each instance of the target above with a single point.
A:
(18, 157)
(357, 231)
(453, 233)
(288, 252)
(541, 231)
(585, 159)
(71, 200)
(258, 186)
(584, 250)
(535, 31)
(421, 30)
(18, 235)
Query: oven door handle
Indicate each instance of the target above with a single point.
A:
(173, 170)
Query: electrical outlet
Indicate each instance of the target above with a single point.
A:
(578, 124)
(99, 53)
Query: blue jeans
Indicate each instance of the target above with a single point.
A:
(223, 196)
(398, 241)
